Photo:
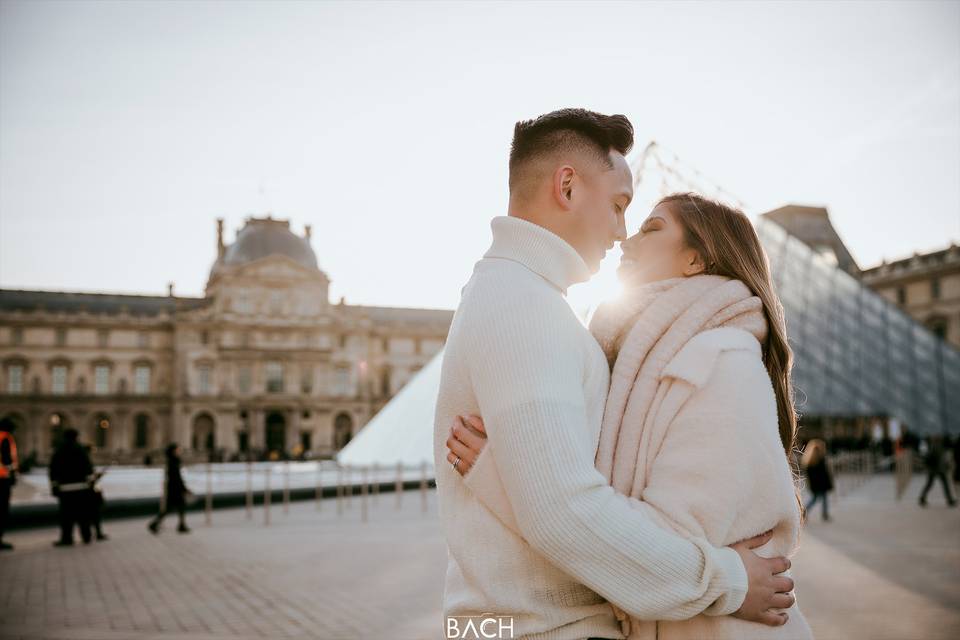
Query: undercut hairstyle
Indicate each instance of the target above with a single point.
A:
(565, 131)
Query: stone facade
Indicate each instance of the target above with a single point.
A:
(262, 364)
(926, 286)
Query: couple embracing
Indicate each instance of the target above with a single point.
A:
(630, 479)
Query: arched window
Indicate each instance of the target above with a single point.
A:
(101, 431)
(938, 325)
(57, 424)
(203, 433)
(276, 432)
(141, 431)
(342, 430)
(385, 382)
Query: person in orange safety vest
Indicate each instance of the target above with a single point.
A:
(8, 474)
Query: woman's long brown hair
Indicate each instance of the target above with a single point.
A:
(728, 245)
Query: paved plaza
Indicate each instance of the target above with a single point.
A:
(881, 570)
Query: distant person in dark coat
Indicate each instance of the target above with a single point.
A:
(956, 460)
(175, 493)
(71, 475)
(935, 460)
(819, 480)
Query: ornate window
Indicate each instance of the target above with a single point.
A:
(276, 302)
(306, 379)
(274, 377)
(204, 379)
(141, 379)
(101, 379)
(58, 379)
(15, 378)
(244, 378)
(343, 384)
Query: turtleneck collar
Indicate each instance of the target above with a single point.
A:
(542, 251)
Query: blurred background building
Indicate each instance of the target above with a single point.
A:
(927, 286)
(864, 368)
(262, 364)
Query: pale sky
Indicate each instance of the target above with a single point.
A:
(126, 128)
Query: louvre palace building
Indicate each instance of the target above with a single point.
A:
(262, 365)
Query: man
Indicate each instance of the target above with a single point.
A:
(518, 356)
(935, 459)
(71, 475)
(9, 465)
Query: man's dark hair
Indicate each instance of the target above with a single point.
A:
(568, 130)
(70, 435)
(7, 424)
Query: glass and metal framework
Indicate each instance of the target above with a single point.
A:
(856, 354)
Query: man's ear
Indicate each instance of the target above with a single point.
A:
(563, 180)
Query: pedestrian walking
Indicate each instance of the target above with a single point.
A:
(819, 479)
(175, 493)
(935, 459)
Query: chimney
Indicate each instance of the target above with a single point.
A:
(219, 237)
(170, 289)
(307, 231)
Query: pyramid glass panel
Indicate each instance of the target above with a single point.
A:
(856, 354)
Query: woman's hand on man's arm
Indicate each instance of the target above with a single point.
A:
(467, 439)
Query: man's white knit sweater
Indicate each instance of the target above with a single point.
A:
(518, 356)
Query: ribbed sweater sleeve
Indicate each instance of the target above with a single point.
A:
(525, 360)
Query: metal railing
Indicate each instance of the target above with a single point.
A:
(851, 469)
(361, 484)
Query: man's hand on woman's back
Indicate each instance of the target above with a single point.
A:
(768, 591)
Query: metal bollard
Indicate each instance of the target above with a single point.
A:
(319, 493)
(399, 488)
(266, 497)
(423, 486)
(208, 507)
(286, 487)
(363, 495)
(249, 490)
(348, 486)
(339, 490)
(376, 483)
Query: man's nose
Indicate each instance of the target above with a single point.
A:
(621, 231)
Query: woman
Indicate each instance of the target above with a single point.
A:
(699, 422)
(175, 493)
(819, 480)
